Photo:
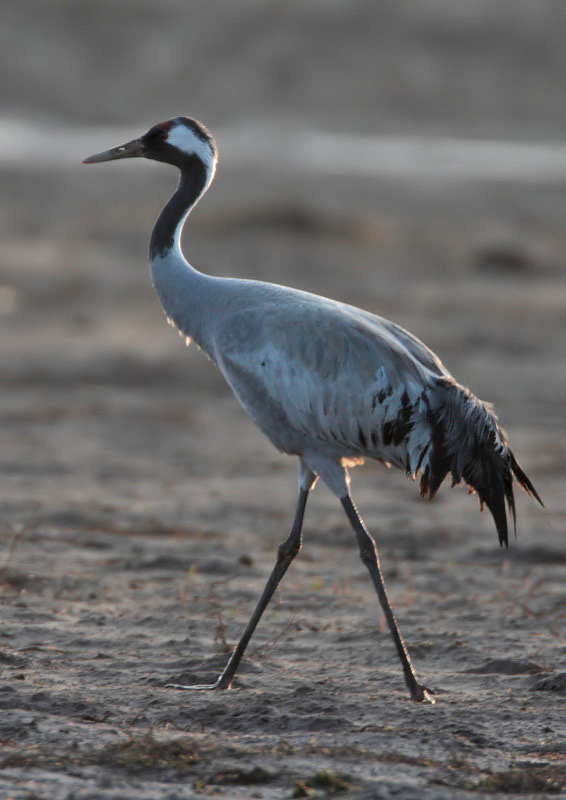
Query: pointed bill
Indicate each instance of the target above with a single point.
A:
(131, 149)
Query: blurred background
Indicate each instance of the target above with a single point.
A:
(408, 157)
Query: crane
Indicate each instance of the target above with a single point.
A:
(324, 381)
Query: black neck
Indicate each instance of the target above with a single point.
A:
(191, 186)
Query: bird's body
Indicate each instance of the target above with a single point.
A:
(325, 381)
(315, 374)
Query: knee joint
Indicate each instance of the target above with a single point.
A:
(288, 550)
(367, 552)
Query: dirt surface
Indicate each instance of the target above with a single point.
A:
(141, 509)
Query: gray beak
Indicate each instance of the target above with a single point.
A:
(131, 149)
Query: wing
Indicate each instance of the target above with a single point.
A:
(314, 371)
(309, 369)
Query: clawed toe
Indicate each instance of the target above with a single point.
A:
(421, 694)
(200, 687)
(196, 687)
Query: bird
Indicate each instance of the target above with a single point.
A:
(325, 381)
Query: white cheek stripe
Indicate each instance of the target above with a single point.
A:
(185, 140)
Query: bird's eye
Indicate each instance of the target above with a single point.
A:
(157, 134)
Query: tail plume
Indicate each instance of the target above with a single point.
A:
(468, 442)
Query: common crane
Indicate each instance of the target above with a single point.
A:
(325, 381)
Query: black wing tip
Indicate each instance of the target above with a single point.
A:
(495, 500)
(524, 481)
(475, 451)
(497, 507)
(494, 497)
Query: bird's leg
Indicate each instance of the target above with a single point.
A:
(370, 557)
(285, 554)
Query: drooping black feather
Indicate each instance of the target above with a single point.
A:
(468, 442)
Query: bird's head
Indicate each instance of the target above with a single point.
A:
(177, 141)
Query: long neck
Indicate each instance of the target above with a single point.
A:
(166, 235)
(182, 290)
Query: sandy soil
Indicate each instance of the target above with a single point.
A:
(141, 509)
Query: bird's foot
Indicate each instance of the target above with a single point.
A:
(420, 694)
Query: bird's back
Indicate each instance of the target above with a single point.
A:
(311, 369)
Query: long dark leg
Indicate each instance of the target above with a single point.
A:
(370, 557)
(285, 554)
